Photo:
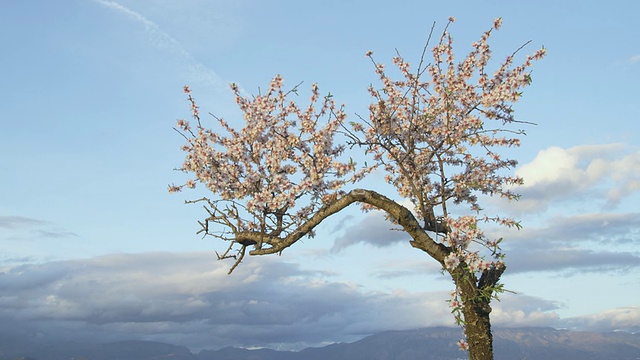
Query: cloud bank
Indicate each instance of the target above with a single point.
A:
(188, 299)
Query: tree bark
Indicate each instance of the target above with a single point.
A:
(476, 295)
(478, 332)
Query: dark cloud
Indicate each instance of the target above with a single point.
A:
(373, 229)
(567, 260)
(583, 242)
(601, 228)
(546, 194)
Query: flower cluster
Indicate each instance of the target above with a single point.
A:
(464, 231)
(437, 138)
(282, 154)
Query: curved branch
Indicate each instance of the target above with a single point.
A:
(404, 217)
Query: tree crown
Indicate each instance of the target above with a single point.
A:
(435, 132)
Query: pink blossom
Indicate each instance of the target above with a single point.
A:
(182, 124)
(497, 23)
(463, 345)
(452, 261)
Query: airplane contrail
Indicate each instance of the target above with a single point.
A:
(198, 71)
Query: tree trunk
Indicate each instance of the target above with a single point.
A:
(478, 330)
(476, 310)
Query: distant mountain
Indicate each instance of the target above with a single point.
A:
(548, 343)
(123, 350)
(431, 344)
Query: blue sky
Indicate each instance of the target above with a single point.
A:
(94, 246)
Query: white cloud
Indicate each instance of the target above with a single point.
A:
(519, 318)
(625, 318)
(634, 59)
(609, 172)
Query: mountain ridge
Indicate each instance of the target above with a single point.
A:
(438, 343)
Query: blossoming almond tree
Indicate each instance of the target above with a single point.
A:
(436, 132)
